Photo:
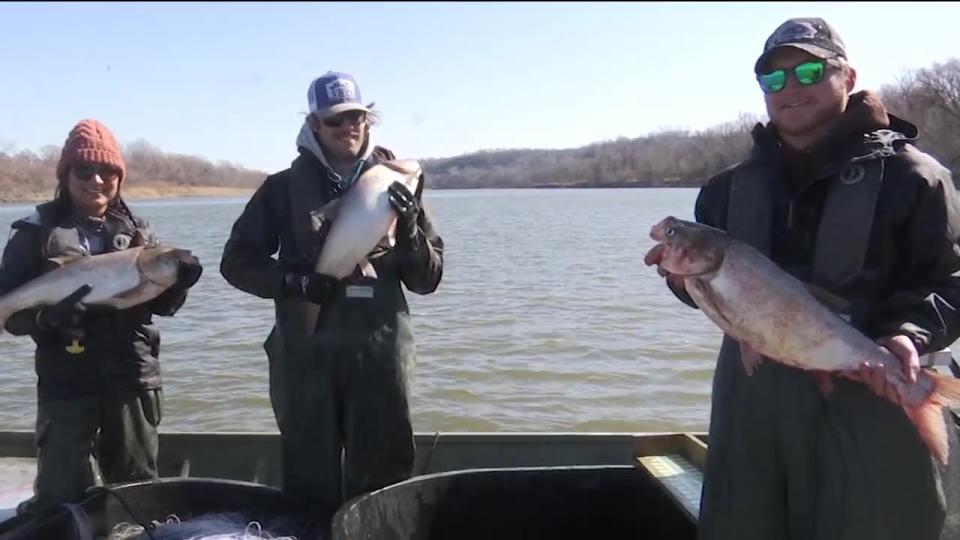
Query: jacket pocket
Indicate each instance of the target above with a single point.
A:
(151, 401)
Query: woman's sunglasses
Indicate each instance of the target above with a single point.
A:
(351, 117)
(806, 73)
(85, 172)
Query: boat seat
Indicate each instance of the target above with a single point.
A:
(676, 464)
(682, 480)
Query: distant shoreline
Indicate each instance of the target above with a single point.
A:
(172, 192)
(146, 192)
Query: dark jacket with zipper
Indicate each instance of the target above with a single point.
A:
(273, 223)
(120, 347)
(910, 279)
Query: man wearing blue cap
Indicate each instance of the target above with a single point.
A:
(340, 394)
(835, 192)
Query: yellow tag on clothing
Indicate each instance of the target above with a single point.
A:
(75, 347)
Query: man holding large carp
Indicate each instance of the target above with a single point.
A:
(333, 240)
(836, 194)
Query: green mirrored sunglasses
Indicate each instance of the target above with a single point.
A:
(806, 73)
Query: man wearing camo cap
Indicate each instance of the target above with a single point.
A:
(834, 192)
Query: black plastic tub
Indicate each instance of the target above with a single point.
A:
(143, 502)
(581, 503)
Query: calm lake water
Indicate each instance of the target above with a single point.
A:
(546, 320)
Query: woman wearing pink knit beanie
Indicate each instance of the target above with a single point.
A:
(99, 388)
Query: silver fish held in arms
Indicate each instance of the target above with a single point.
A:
(774, 315)
(120, 279)
(358, 221)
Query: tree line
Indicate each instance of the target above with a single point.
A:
(27, 174)
(928, 97)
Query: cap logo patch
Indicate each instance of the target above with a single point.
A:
(341, 89)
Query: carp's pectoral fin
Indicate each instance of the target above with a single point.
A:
(391, 237)
(750, 358)
(367, 270)
(824, 382)
(709, 303)
(65, 259)
(321, 218)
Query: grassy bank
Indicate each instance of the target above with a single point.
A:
(133, 193)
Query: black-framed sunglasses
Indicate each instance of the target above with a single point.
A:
(85, 171)
(348, 117)
(806, 74)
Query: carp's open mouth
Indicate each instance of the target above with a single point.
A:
(665, 257)
(655, 255)
(659, 233)
(673, 259)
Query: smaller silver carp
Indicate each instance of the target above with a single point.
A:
(121, 279)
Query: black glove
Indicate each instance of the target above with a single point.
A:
(171, 300)
(408, 210)
(317, 288)
(65, 314)
(188, 273)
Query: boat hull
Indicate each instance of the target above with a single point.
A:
(254, 458)
(559, 503)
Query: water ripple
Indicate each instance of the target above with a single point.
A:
(546, 320)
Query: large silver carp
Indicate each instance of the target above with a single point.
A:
(774, 315)
(358, 221)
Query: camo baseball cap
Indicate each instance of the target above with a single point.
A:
(810, 34)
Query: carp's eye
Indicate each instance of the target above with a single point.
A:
(671, 231)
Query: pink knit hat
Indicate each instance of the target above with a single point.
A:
(90, 142)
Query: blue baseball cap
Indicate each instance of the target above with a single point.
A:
(333, 93)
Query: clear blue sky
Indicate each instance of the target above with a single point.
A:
(228, 80)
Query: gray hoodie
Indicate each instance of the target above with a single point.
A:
(307, 139)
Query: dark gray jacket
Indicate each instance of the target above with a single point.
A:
(269, 226)
(910, 277)
(122, 347)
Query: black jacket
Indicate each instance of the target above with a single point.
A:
(910, 282)
(378, 325)
(121, 348)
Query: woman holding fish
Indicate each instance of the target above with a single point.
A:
(348, 229)
(99, 387)
(821, 425)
